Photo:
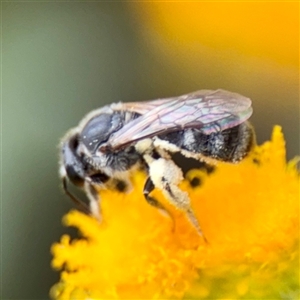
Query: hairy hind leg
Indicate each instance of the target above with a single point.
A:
(166, 176)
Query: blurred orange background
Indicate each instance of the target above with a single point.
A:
(265, 30)
(247, 47)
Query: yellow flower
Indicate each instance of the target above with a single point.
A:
(249, 213)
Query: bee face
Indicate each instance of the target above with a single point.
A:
(72, 166)
(111, 141)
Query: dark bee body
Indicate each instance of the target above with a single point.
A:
(230, 145)
(206, 125)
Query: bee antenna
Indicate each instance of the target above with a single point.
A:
(80, 204)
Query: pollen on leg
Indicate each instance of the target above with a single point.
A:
(162, 168)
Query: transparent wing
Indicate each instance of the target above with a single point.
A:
(209, 111)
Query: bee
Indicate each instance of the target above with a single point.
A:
(111, 141)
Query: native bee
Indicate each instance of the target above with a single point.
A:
(110, 141)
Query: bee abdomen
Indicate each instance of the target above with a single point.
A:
(230, 145)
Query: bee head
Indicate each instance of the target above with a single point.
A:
(75, 165)
(71, 165)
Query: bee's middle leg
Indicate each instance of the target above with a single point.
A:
(148, 188)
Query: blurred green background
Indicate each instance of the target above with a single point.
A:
(62, 59)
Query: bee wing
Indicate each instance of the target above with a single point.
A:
(209, 111)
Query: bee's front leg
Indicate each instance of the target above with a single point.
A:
(94, 201)
(166, 175)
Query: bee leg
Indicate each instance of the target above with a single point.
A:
(94, 204)
(82, 206)
(166, 175)
(181, 200)
(148, 188)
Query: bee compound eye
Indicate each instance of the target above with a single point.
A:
(98, 130)
(99, 178)
(74, 177)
